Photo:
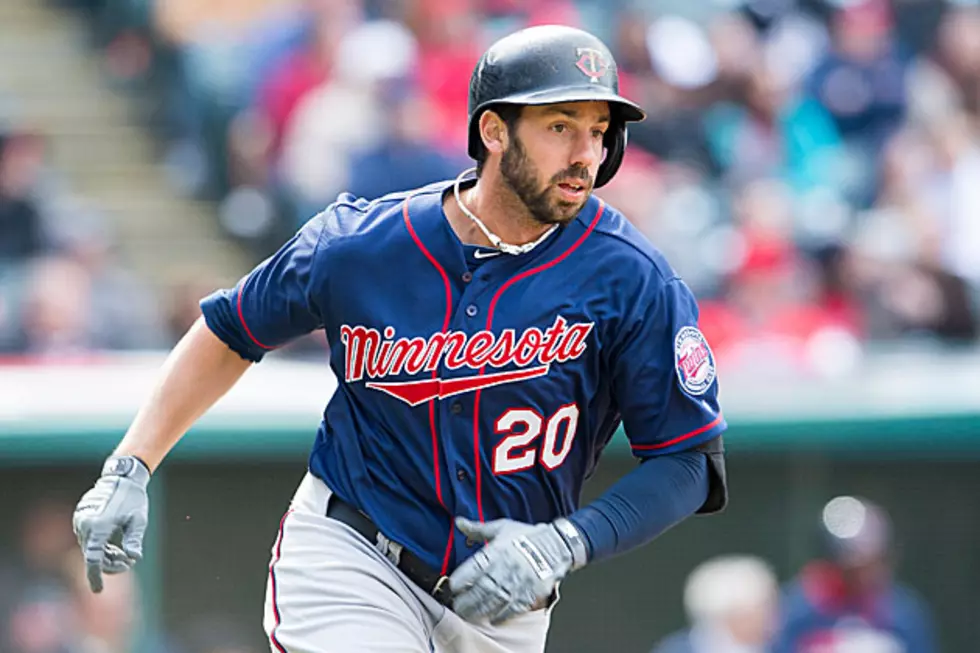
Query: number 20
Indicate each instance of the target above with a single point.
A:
(516, 452)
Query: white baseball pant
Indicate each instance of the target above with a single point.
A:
(331, 591)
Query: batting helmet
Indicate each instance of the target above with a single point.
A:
(549, 64)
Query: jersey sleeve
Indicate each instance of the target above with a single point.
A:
(664, 375)
(274, 303)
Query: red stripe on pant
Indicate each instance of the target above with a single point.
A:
(272, 580)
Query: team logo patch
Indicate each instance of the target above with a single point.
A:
(591, 62)
(693, 360)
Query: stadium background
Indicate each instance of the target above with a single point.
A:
(811, 168)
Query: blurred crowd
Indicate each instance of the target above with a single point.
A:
(63, 291)
(846, 600)
(46, 605)
(808, 166)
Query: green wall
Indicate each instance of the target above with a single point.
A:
(215, 516)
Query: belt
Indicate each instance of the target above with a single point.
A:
(431, 581)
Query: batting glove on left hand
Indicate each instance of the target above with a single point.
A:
(115, 508)
(518, 568)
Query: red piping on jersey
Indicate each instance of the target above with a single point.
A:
(680, 438)
(241, 317)
(435, 374)
(272, 580)
(493, 305)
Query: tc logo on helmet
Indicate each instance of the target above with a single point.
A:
(592, 62)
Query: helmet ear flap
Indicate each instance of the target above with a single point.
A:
(475, 147)
(615, 144)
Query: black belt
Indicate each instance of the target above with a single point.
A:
(431, 581)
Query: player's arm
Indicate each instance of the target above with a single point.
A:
(198, 372)
(665, 386)
(275, 303)
(659, 494)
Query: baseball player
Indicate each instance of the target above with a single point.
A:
(848, 599)
(489, 334)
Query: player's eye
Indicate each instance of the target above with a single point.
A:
(598, 133)
(559, 128)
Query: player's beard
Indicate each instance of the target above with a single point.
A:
(521, 176)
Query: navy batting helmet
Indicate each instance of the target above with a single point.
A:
(547, 65)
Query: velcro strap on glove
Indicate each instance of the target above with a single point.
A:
(129, 467)
(574, 540)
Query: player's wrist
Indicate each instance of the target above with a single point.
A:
(127, 466)
(574, 540)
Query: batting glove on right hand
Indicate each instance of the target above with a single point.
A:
(114, 510)
(517, 570)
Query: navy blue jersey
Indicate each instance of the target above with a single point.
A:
(480, 388)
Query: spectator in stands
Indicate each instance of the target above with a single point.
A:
(504, 16)
(36, 614)
(104, 622)
(449, 43)
(629, 45)
(80, 303)
(848, 600)
(22, 230)
(946, 80)
(184, 294)
(771, 308)
(307, 67)
(912, 257)
(45, 603)
(861, 80)
(209, 32)
(792, 37)
(905, 297)
(257, 133)
(638, 190)
(56, 317)
(774, 136)
(731, 602)
(738, 98)
(123, 310)
(342, 115)
(684, 64)
(213, 45)
(41, 622)
(738, 52)
(952, 194)
(406, 157)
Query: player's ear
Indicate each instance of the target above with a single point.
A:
(493, 132)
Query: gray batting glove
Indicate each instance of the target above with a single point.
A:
(518, 568)
(114, 510)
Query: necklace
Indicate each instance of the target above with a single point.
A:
(507, 248)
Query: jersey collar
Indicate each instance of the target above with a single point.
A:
(434, 230)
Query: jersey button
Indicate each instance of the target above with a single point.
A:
(461, 473)
(456, 408)
(472, 310)
(467, 277)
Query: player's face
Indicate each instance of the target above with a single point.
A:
(553, 156)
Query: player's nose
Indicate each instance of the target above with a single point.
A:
(586, 154)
